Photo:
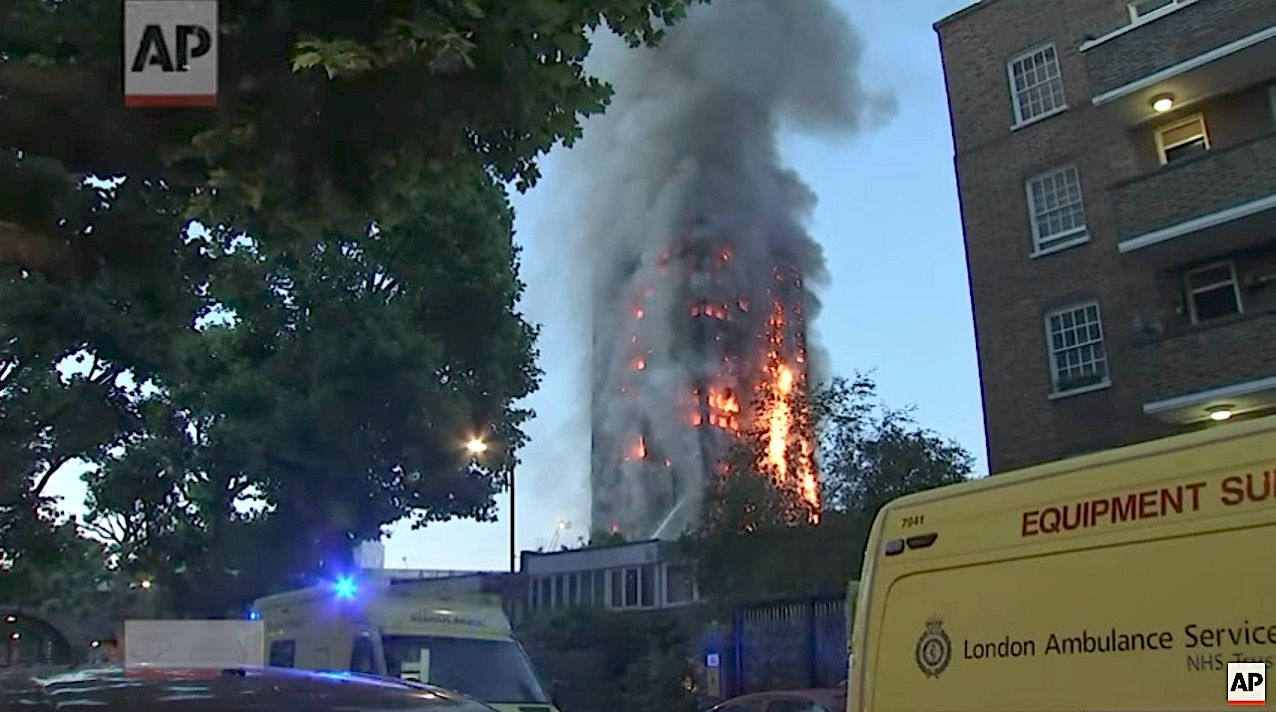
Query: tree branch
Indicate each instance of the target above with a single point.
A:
(48, 474)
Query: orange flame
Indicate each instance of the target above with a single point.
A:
(640, 364)
(639, 313)
(640, 449)
(789, 452)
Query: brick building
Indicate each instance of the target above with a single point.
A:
(1116, 162)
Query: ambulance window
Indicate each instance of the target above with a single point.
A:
(361, 656)
(283, 653)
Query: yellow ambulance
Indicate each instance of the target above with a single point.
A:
(1122, 580)
(460, 642)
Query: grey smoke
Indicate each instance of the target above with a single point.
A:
(688, 151)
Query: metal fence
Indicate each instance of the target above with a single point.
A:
(788, 645)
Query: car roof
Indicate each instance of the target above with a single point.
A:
(825, 696)
(114, 689)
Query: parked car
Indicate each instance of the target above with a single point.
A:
(113, 689)
(829, 700)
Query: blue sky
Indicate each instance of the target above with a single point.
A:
(897, 304)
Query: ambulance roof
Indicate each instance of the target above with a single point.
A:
(399, 610)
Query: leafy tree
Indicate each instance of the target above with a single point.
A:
(754, 545)
(871, 454)
(274, 320)
(601, 537)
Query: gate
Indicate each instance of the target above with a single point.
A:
(789, 645)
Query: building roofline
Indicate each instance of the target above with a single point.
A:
(599, 547)
(974, 7)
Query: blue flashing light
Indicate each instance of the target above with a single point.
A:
(345, 587)
(254, 615)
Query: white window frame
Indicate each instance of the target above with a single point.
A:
(1072, 238)
(664, 598)
(1020, 121)
(1135, 17)
(1106, 382)
(1160, 131)
(1191, 292)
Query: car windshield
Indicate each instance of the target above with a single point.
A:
(487, 670)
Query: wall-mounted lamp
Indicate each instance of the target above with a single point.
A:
(1219, 413)
(1162, 103)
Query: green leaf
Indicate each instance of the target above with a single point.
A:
(306, 60)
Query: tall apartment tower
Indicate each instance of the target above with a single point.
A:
(688, 358)
(1116, 163)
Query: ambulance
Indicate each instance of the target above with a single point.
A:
(1130, 579)
(461, 642)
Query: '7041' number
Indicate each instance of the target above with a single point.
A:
(913, 521)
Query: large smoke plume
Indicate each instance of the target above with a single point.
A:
(685, 164)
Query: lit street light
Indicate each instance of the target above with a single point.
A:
(476, 446)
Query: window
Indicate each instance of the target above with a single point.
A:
(547, 597)
(1056, 209)
(1036, 87)
(362, 659)
(648, 586)
(283, 653)
(587, 588)
(495, 671)
(533, 594)
(600, 591)
(631, 587)
(1182, 139)
(573, 592)
(1213, 292)
(679, 584)
(1077, 357)
(1140, 9)
(559, 599)
(617, 589)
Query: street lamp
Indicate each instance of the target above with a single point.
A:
(477, 447)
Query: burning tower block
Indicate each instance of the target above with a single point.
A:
(701, 350)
